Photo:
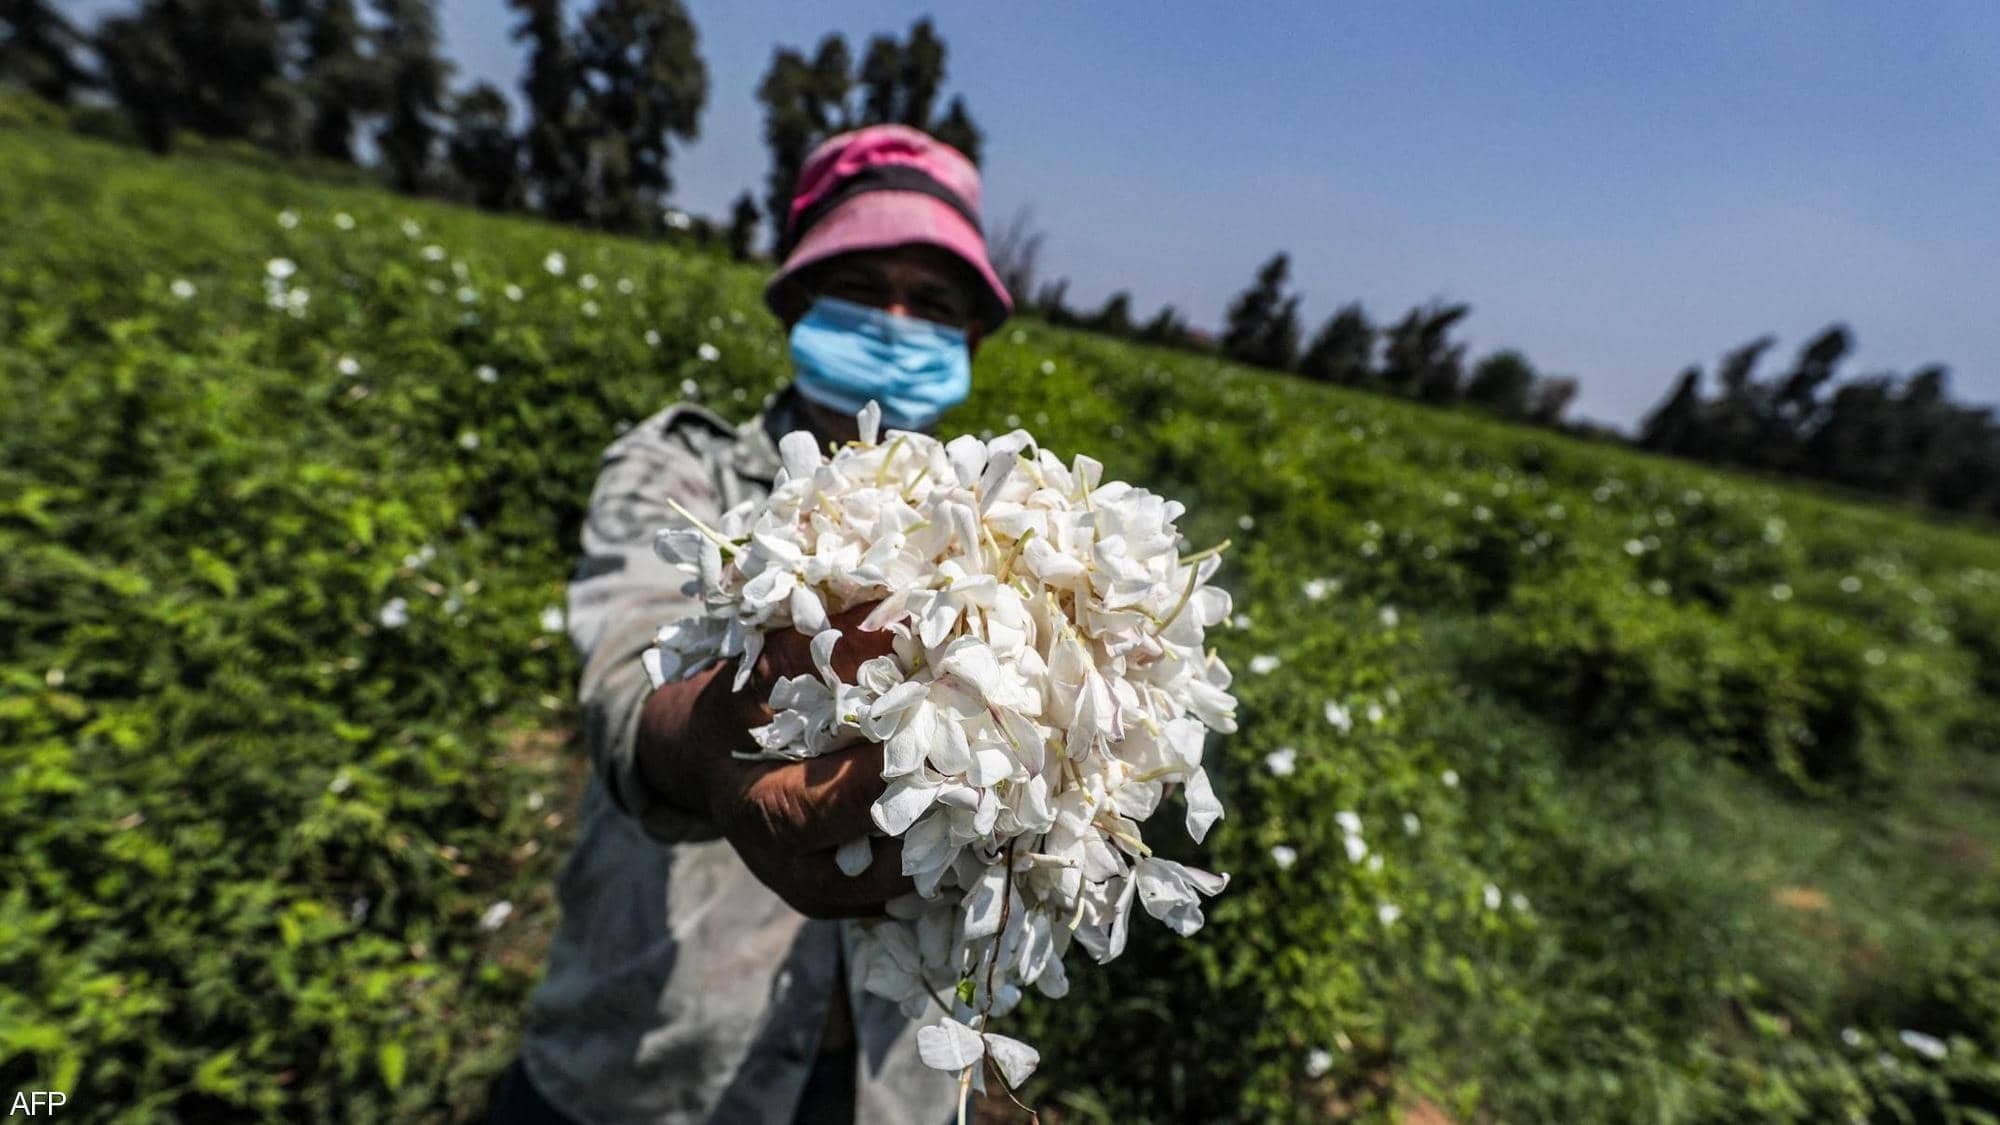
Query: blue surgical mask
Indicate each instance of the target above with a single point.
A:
(846, 354)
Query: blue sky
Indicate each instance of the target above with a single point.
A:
(1618, 191)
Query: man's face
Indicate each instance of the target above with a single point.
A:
(915, 281)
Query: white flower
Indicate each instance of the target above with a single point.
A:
(1319, 1060)
(496, 915)
(708, 352)
(1050, 681)
(341, 783)
(1283, 761)
(468, 440)
(588, 308)
(1284, 856)
(1389, 617)
(1388, 912)
(1264, 665)
(1318, 588)
(513, 292)
(1852, 1038)
(343, 220)
(288, 218)
(1375, 713)
(1450, 779)
(1518, 901)
(625, 286)
(1411, 824)
(588, 282)
(181, 288)
(1340, 718)
(555, 263)
(1929, 1046)
(690, 389)
(486, 373)
(467, 294)
(1048, 367)
(280, 269)
(552, 619)
(1245, 522)
(1850, 585)
(412, 230)
(1634, 548)
(652, 338)
(347, 365)
(1240, 621)
(433, 253)
(1492, 897)
(1781, 592)
(394, 614)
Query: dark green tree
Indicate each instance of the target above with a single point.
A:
(803, 105)
(338, 81)
(743, 227)
(1502, 384)
(1166, 328)
(413, 77)
(553, 142)
(213, 67)
(1675, 426)
(1343, 350)
(1419, 359)
(1551, 398)
(1050, 303)
(39, 49)
(644, 85)
(485, 156)
(957, 129)
(1115, 318)
(1262, 323)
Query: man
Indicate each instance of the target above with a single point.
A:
(700, 970)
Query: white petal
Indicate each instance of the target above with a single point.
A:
(799, 452)
(854, 856)
(902, 803)
(949, 1045)
(983, 904)
(1203, 808)
(1015, 1059)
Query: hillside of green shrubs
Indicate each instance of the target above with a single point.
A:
(1668, 795)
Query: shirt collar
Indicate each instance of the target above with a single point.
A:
(756, 454)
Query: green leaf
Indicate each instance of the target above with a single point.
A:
(389, 1059)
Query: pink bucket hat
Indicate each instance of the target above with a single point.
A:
(884, 186)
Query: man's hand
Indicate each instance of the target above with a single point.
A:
(784, 818)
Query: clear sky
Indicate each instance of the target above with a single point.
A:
(1617, 190)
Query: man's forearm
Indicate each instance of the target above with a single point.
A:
(682, 726)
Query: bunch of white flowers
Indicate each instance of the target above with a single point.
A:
(1048, 682)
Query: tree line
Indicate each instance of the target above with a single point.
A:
(1895, 435)
(610, 93)
(1412, 357)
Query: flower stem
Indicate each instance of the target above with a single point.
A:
(728, 548)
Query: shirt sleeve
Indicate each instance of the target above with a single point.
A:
(622, 592)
